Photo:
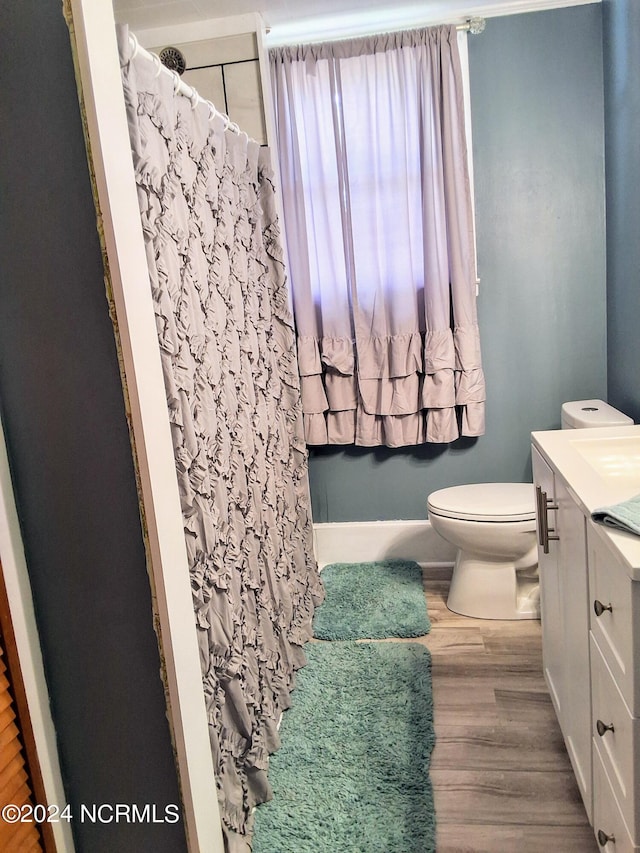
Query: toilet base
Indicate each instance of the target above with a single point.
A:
(486, 589)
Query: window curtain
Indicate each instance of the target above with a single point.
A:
(379, 228)
(228, 354)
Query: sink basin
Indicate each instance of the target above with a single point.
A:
(613, 458)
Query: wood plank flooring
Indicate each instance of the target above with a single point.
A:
(501, 775)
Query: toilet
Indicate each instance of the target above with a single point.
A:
(493, 527)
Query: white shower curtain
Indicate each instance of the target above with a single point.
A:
(227, 346)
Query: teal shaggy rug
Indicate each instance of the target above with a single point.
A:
(352, 774)
(372, 601)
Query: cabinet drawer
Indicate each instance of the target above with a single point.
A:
(617, 628)
(619, 746)
(608, 823)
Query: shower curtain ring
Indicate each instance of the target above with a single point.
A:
(213, 112)
(194, 97)
(176, 83)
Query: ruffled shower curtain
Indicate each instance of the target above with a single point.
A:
(379, 225)
(228, 354)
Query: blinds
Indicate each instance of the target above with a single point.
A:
(20, 780)
(14, 778)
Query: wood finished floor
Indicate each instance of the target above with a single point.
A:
(501, 775)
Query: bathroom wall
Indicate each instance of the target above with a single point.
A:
(621, 25)
(537, 112)
(538, 141)
(63, 411)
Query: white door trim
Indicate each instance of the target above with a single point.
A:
(93, 27)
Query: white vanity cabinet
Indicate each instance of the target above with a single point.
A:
(590, 613)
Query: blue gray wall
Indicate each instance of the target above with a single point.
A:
(538, 142)
(621, 25)
(63, 412)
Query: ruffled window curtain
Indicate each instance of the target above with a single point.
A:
(228, 354)
(379, 229)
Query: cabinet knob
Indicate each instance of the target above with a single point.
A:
(603, 728)
(603, 838)
(599, 607)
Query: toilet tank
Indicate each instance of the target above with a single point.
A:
(580, 414)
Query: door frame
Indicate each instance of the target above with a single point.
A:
(93, 37)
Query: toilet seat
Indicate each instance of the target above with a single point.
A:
(485, 502)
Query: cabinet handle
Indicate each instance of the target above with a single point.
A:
(599, 607)
(544, 504)
(540, 508)
(603, 838)
(603, 728)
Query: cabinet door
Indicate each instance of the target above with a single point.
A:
(553, 657)
(573, 574)
(564, 612)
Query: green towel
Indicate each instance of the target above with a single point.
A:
(622, 516)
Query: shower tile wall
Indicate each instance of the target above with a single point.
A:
(226, 72)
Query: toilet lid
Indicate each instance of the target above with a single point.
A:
(485, 502)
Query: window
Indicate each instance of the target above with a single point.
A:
(379, 227)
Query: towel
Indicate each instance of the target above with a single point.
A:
(622, 516)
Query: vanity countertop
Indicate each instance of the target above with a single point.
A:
(601, 467)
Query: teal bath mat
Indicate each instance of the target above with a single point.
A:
(352, 774)
(372, 601)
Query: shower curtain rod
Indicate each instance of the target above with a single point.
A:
(182, 88)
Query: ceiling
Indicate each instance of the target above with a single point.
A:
(320, 15)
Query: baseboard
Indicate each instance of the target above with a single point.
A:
(363, 541)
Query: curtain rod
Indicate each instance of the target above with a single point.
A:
(182, 88)
(475, 26)
(287, 34)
